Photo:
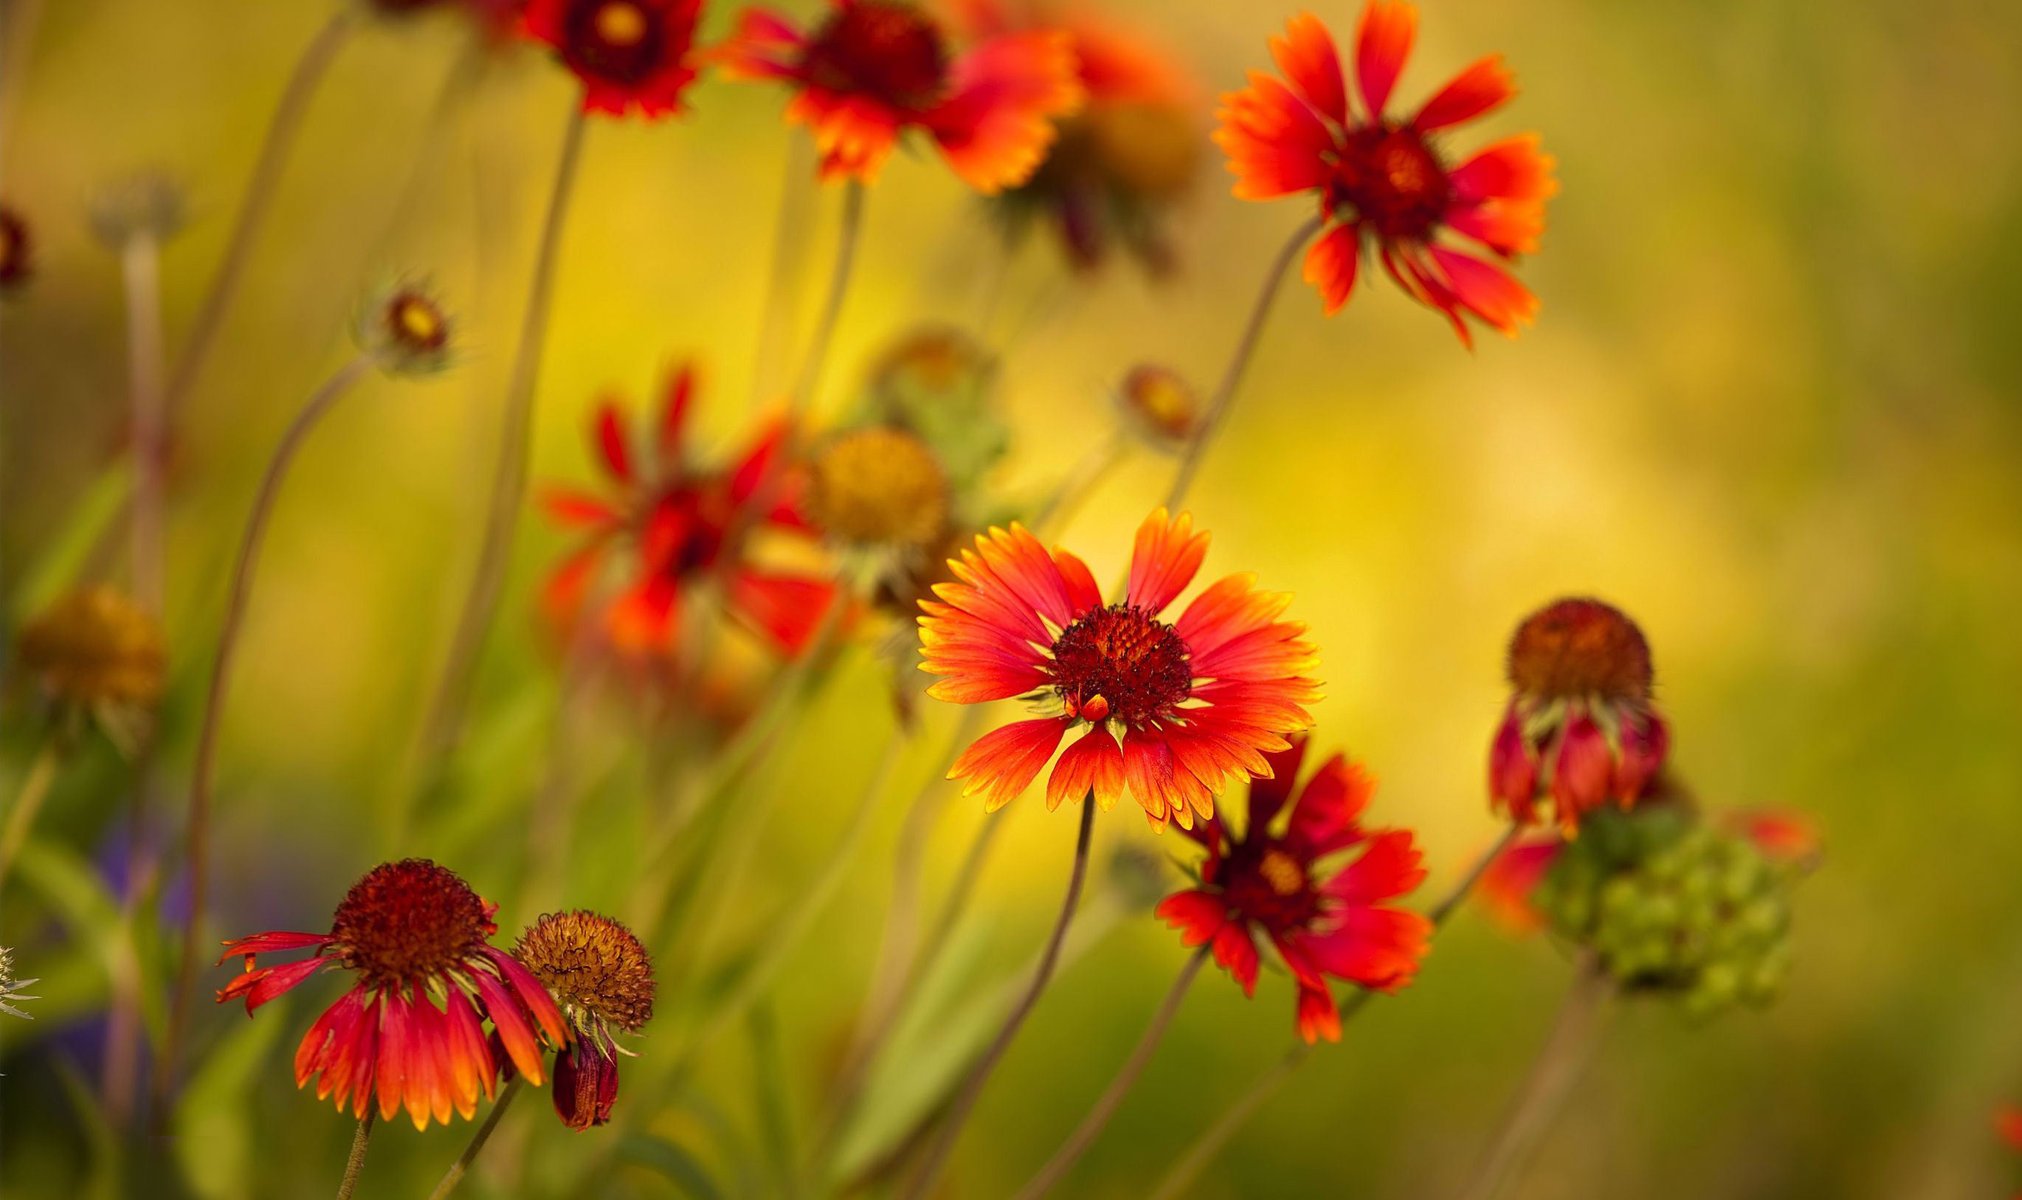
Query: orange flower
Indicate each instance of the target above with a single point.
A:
(1387, 180)
(1324, 921)
(412, 931)
(875, 68)
(627, 53)
(680, 522)
(1197, 702)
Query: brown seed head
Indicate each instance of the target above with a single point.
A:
(1580, 647)
(596, 968)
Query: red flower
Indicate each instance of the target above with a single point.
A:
(628, 53)
(1386, 179)
(1325, 920)
(412, 931)
(1580, 728)
(876, 68)
(16, 251)
(678, 524)
(1197, 702)
(2008, 1124)
(1513, 875)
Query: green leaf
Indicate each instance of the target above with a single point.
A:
(60, 564)
(102, 1182)
(671, 1162)
(214, 1119)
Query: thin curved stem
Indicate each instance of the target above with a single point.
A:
(461, 1167)
(929, 1174)
(356, 1163)
(1198, 1155)
(28, 803)
(1239, 362)
(1092, 1125)
(140, 272)
(1549, 1082)
(816, 360)
(197, 836)
(509, 476)
(282, 132)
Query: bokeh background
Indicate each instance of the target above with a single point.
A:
(1770, 407)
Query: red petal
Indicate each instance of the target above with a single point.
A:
(1325, 817)
(1094, 763)
(1236, 951)
(1005, 761)
(674, 418)
(1318, 1017)
(1389, 867)
(1198, 915)
(1581, 771)
(1512, 169)
(271, 942)
(1382, 43)
(610, 436)
(1276, 145)
(1307, 56)
(1164, 559)
(1004, 95)
(1330, 266)
(1512, 769)
(1268, 793)
(1507, 884)
(1488, 291)
(1485, 85)
(1377, 948)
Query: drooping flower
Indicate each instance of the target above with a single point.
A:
(1313, 882)
(96, 653)
(599, 972)
(410, 1030)
(1385, 183)
(1196, 703)
(629, 54)
(873, 70)
(17, 251)
(667, 525)
(1580, 728)
(1127, 157)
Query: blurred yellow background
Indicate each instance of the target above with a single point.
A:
(1772, 407)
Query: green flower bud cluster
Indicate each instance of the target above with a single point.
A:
(1674, 906)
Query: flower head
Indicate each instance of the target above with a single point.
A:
(1313, 882)
(667, 524)
(17, 251)
(1196, 702)
(411, 932)
(878, 486)
(10, 987)
(145, 204)
(1580, 727)
(95, 652)
(599, 972)
(629, 54)
(874, 69)
(1385, 183)
(1161, 404)
(405, 328)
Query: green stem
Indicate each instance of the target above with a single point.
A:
(1092, 1125)
(1180, 1176)
(816, 361)
(140, 271)
(282, 132)
(197, 835)
(356, 1163)
(461, 1167)
(928, 1176)
(28, 803)
(444, 722)
(1239, 361)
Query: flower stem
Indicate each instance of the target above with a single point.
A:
(1232, 375)
(509, 478)
(197, 835)
(461, 1167)
(1552, 1075)
(282, 131)
(28, 803)
(1182, 1173)
(816, 360)
(140, 270)
(356, 1163)
(929, 1174)
(1092, 1125)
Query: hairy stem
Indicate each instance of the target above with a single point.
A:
(461, 1167)
(356, 1163)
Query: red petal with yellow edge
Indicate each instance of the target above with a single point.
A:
(1307, 56)
(854, 135)
(1330, 266)
(514, 1033)
(533, 994)
(260, 986)
(1276, 145)
(1506, 229)
(391, 1063)
(1486, 84)
(765, 45)
(1319, 1019)
(1003, 98)
(1164, 559)
(1512, 169)
(1230, 607)
(1004, 762)
(1382, 44)
(1094, 763)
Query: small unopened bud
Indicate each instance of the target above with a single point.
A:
(405, 328)
(146, 204)
(586, 1085)
(1161, 404)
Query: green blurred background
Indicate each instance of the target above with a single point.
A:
(1770, 408)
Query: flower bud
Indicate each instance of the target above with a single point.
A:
(406, 329)
(586, 1085)
(1161, 404)
(147, 204)
(97, 652)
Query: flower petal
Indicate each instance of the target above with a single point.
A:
(1307, 56)
(1164, 559)
(1003, 98)
(1005, 761)
(1484, 85)
(1382, 43)
(1330, 266)
(1093, 764)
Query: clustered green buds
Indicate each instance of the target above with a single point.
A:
(1675, 906)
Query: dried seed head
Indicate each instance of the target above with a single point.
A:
(597, 970)
(96, 648)
(879, 486)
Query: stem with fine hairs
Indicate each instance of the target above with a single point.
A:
(28, 802)
(197, 836)
(1180, 1176)
(356, 1163)
(1092, 1125)
(509, 479)
(1239, 361)
(1550, 1080)
(282, 131)
(461, 1167)
(929, 1174)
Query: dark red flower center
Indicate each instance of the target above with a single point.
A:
(1120, 662)
(1393, 180)
(687, 528)
(884, 49)
(408, 922)
(13, 247)
(1267, 884)
(619, 40)
(1580, 648)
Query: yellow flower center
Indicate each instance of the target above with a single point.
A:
(1283, 873)
(620, 24)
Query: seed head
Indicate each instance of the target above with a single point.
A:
(596, 968)
(879, 486)
(96, 648)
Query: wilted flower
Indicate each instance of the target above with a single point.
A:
(1580, 727)
(874, 69)
(627, 53)
(17, 252)
(405, 328)
(878, 486)
(415, 934)
(1161, 404)
(1197, 703)
(674, 524)
(10, 987)
(1387, 180)
(95, 652)
(599, 973)
(1292, 881)
(146, 204)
